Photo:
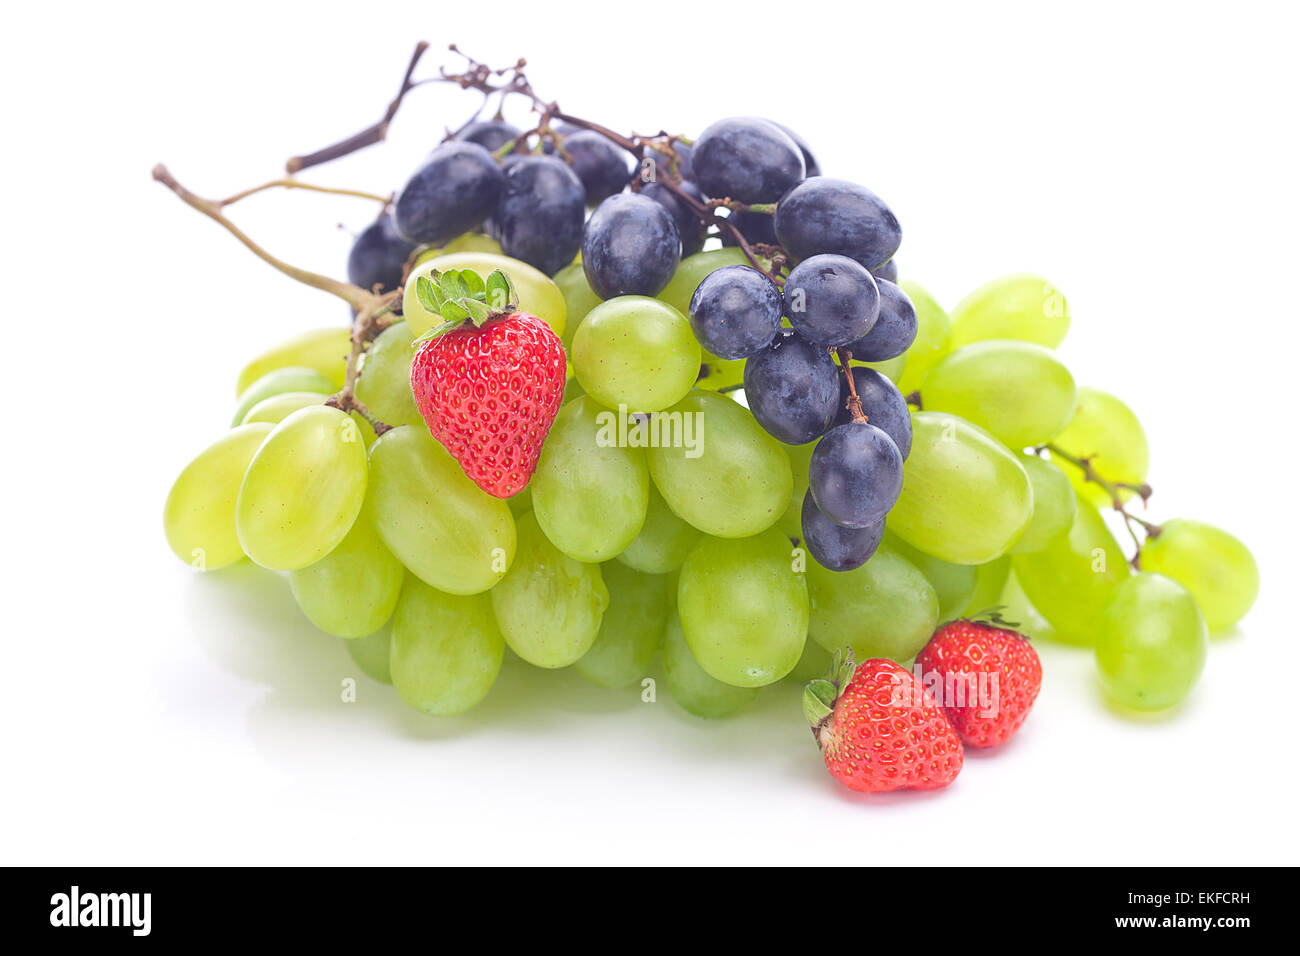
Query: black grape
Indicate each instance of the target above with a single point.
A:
(855, 474)
(834, 546)
(378, 256)
(630, 247)
(540, 215)
(450, 194)
(754, 226)
(736, 311)
(823, 215)
(683, 154)
(831, 300)
(602, 166)
(895, 328)
(490, 134)
(810, 164)
(747, 159)
(888, 271)
(882, 403)
(689, 227)
(792, 388)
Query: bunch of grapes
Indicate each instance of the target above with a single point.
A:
(705, 423)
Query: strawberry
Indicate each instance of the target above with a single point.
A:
(985, 674)
(489, 380)
(879, 729)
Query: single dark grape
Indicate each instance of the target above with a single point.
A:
(792, 388)
(810, 165)
(895, 328)
(540, 215)
(747, 159)
(681, 152)
(833, 546)
(602, 166)
(831, 300)
(882, 403)
(689, 227)
(378, 256)
(490, 134)
(450, 194)
(736, 311)
(823, 215)
(855, 474)
(888, 271)
(754, 226)
(630, 247)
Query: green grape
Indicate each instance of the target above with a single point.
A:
(637, 352)
(931, 344)
(664, 541)
(892, 368)
(1017, 607)
(791, 521)
(1054, 505)
(717, 374)
(199, 516)
(325, 350)
(1151, 643)
(291, 378)
(1017, 391)
(990, 582)
(466, 242)
(351, 592)
(303, 489)
(743, 608)
(370, 653)
(1105, 431)
(631, 629)
(815, 663)
(691, 686)
(885, 608)
(1071, 580)
(277, 408)
(578, 298)
(444, 528)
(385, 383)
(691, 272)
(953, 583)
(549, 605)
(1217, 568)
(730, 478)
(1021, 306)
(446, 649)
(538, 295)
(966, 499)
(590, 493)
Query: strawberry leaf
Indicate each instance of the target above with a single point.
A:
(451, 285)
(428, 335)
(499, 292)
(479, 312)
(427, 293)
(474, 285)
(454, 311)
(818, 701)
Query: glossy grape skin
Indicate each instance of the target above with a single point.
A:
(1218, 570)
(631, 629)
(602, 166)
(631, 247)
(739, 484)
(931, 345)
(446, 649)
(540, 214)
(888, 272)
(370, 653)
(895, 327)
(748, 159)
(689, 228)
(385, 383)
(538, 295)
(277, 408)
(825, 215)
(882, 403)
(954, 584)
(444, 528)
(199, 516)
(303, 489)
(1018, 392)
(832, 545)
(691, 272)
(579, 300)
(966, 499)
(990, 582)
(450, 194)
(490, 134)
(810, 165)
(792, 387)
(856, 474)
(736, 311)
(590, 496)
(324, 350)
(291, 378)
(352, 591)
(831, 300)
(1021, 306)
(636, 351)
(664, 541)
(743, 609)
(549, 605)
(691, 686)
(1072, 580)
(1151, 643)
(886, 608)
(378, 256)
(1104, 430)
(1054, 505)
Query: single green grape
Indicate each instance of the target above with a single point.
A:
(931, 343)
(990, 582)
(325, 350)
(1216, 567)
(277, 408)
(885, 608)
(637, 352)
(892, 368)
(303, 489)
(578, 298)
(664, 541)
(549, 605)
(1071, 580)
(691, 272)
(446, 649)
(385, 383)
(444, 528)
(199, 516)
(727, 476)
(791, 521)
(351, 592)
(1151, 643)
(370, 653)
(965, 499)
(631, 629)
(1017, 607)
(814, 664)
(291, 378)
(466, 242)
(1054, 505)
(954, 584)
(538, 295)
(590, 493)
(690, 684)
(1021, 306)
(743, 608)
(1106, 432)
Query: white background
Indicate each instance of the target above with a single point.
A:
(1142, 156)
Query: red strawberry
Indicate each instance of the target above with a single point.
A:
(986, 676)
(879, 729)
(488, 386)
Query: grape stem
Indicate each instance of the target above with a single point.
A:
(1113, 490)
(853, 404)
(297, 184)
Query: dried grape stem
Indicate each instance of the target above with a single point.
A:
(1113, 489)
(853, 404)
